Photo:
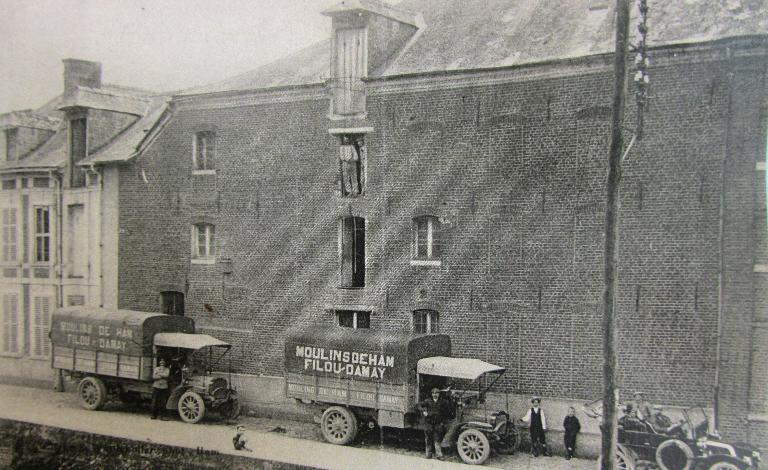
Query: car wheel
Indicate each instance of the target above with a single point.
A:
(473, 447)
(723, 465)
(92, 393)
(510, 441)
(674, 454)
(191, 407)
(230, 409)
(625, 459)
(338, 425)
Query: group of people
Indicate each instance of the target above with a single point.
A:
(641, 410)
(437, 411)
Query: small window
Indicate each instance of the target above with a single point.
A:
(426, 239)
(9, 228)
(425, 322)
(40, 182)
(42, 234)
(204, 152)
(203, 246)
(10, 324)
(9, 184)
(172, 303)
(352, 162)
(73, 300)
(354, 319)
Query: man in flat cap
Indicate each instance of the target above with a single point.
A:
(436, 410)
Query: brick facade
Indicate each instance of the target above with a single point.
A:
(514, 168)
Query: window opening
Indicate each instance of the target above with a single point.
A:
(354, 319)
(425, 322)
(426, 245)
(172, 303)
(353, 252)
(203, 241)
(351, 164)
(205, 151)
(42, 234)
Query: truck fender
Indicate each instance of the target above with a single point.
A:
(174, 396)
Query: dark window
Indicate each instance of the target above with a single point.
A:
(78, 148)
(9, 184)
(42, 234)
(425, 322)
(354, 319)
(352, 161)
(353, 252)
(205, 151)
(426, 238)
(172, 303)
(40, 182)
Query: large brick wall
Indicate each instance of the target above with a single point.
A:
(516, 173)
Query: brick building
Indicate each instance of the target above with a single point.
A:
(446, 172)
(59, 228)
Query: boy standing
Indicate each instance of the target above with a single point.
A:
(572, 427)
(537, 424)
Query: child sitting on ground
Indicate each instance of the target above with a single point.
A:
(240, 441)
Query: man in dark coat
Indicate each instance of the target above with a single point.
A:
(436, 411)
(572, 427)
(537, 424)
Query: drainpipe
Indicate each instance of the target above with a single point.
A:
(59, 234)
(721, 248)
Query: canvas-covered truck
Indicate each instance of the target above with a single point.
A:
(370, 378)
(112, 354)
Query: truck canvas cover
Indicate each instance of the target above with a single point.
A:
(358, 354)
(124, 332)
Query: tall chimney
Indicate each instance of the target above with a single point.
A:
(81, 73)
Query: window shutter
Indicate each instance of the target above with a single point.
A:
(436, 238)
(10, 323)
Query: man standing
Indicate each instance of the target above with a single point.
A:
(436, 410)
(641, 408)
(537, 424)
(159, 388)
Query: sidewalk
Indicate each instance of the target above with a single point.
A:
(295, 445)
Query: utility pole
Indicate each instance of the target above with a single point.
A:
(610, 390)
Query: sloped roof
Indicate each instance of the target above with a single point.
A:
(125, 145)
(54, 152)
(460, 34)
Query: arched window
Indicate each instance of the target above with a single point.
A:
(426, 322)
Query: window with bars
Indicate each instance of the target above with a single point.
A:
(426, 238)
(172, 303)
(42, 234)
(204, 152)
(354, 319)
(203, 242)
(40, 346)
(10, 244)
(425, 322)
(10, 324)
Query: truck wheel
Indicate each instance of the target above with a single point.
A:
(338, 425)
(473, 447)
(92, 393)
(674, 454)
(191, 407)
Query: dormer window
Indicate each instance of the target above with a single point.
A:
(351, 57)
(204, 153)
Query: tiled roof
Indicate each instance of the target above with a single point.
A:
(461, 34)
(52, 154)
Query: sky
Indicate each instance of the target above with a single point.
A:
(161, 45)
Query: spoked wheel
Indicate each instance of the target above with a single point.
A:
(92, 393)
(230, 409)
(473, 447)
(510, 441)
(625, 460)
(338, 425)
(191, 407)
(722, 465)
(674, 454)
